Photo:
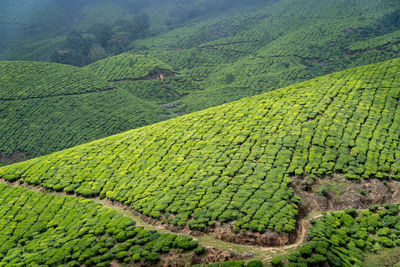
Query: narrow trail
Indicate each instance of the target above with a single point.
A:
(209, 241)
(57, 95)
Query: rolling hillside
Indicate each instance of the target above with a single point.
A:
(234, 164)
(46, 107)
(254, 50)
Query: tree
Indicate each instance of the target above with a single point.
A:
(96, 52)
(102, 32)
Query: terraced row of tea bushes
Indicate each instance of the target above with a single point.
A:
(23, 79)
(341, 238)
(127, 66)
(234, 162)
(43, 229)
(44, 125)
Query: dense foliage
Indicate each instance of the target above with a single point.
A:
(128, 66)
(257, 50)
(26, 80)
(101, 41)
(341, 238)
(43, 229)
(234, 162)
(46, 107)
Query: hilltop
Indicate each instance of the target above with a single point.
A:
(235, 164)
(143, 76)
(46, 107)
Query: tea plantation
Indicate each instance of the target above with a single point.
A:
(234, 162)
(38, 229)
(341, 238)
(46, 107)
(255, 50)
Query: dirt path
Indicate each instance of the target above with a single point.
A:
(246, 251)
(57, 95)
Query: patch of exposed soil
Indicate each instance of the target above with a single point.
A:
(175, 259)
(339, 193)
(158, 74)
(269, 238)
(15, 157)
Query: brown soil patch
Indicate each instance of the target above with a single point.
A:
(15, 157)
(159, 74)
(343, 194)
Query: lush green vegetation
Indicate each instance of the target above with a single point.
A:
(128, 66)
(102, 40)
(26, 80)
(46, 107)
(261, 49)
(140, 75)
(341, 238)
(39, 229)
(234, 162)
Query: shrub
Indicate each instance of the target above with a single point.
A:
(254, 263)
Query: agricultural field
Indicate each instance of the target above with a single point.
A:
(47, 107)
(266, 48)
(39, 229)
(234, 163)
(342, 238)
(230, 133)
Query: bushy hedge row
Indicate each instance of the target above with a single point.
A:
(43, 229)
(234, 162)
(341, 238)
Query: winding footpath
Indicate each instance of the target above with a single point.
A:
(209, 241)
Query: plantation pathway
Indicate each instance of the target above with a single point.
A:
(265, 254)
(57, 95)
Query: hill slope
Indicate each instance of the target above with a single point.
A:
(46, 107)
(250, 51)
(44, 229)
(143, 76)
(234, 162)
